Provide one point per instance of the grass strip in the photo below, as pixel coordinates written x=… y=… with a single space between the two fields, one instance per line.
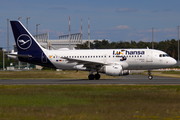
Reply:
x=171 y=72
x=87 y=102
x=175 y=74
x=47 y=75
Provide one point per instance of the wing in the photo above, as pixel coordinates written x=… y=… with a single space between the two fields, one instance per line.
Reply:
x=86 y=63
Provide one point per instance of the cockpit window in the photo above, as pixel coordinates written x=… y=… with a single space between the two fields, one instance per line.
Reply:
x=163 y=55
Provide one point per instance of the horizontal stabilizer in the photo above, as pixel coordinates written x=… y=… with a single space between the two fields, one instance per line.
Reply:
x=23 y=56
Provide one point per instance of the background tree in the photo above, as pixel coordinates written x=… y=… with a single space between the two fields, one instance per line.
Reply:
x=82 y=46
x=1 y=60
x=168 y=46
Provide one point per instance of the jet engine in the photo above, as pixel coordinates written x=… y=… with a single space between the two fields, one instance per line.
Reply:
x=114 y=70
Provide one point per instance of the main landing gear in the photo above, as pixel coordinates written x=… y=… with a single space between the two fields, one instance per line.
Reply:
x=150 y=76
x=92 y=77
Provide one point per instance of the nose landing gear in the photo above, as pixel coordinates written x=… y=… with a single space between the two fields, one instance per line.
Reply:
x=150 y=77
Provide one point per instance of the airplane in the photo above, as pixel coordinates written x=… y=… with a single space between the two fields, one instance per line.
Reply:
x=113 y=62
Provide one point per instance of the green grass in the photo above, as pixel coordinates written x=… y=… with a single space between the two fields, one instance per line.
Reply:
x=175 y=74
x=68 y=74
x=171 y=72
x=89 y=102
x=47 y=75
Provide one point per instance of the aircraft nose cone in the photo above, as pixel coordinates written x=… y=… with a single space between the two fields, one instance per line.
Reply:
x=173 y=62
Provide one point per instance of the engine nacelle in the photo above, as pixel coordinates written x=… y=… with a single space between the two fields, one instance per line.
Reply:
x=113 y=70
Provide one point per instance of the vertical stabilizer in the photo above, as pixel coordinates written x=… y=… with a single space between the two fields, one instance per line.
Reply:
x=24 y=40
x=29 y=50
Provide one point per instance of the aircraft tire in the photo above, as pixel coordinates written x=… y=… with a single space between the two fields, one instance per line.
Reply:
x=91 y=77
x=97 y=76
x=150 y=77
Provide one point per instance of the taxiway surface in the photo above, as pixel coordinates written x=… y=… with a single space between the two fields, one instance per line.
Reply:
x=130 y=79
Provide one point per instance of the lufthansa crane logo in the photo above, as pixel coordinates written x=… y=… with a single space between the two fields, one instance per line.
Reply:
x=24 y=41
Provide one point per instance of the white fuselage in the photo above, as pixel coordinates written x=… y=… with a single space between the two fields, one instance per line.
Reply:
x=136 y=59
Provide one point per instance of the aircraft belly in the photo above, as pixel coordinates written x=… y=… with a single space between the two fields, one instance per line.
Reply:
x=133 y=64
x=140 y=65
x=68 y=66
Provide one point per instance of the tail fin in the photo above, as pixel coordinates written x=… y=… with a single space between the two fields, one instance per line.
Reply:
x=23 y=39
x=29 y=50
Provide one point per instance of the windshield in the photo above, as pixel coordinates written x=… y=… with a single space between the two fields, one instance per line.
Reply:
x=163 y=55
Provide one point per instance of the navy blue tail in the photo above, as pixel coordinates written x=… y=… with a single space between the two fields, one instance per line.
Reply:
x=27 y=46
x=24 y=40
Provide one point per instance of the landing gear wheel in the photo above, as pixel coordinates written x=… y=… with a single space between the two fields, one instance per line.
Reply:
x=97 y=76
x=91 y=77
x=150 y=77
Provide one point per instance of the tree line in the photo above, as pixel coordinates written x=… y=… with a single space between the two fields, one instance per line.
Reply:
x=168 y=46
x=6 y=61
